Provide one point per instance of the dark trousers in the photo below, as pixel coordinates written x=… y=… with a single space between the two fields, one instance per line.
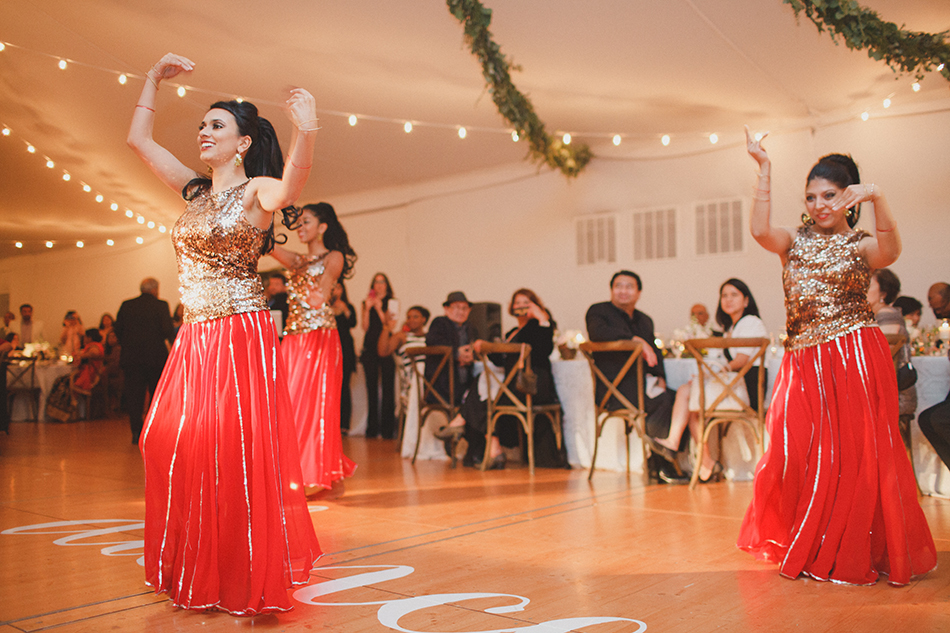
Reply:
x=139 y=379
x=935 y=425
x=346 y=402
x=380 y=415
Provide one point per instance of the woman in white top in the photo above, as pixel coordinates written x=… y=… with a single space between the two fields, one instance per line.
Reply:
x=738 y=316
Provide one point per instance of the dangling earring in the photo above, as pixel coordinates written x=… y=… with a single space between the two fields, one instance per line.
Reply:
x=238 y=159
x=849 y=213
x=210 y=171
x=807 y=220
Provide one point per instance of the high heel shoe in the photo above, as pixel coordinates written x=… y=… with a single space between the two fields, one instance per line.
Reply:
x=664 y=452
x=715 y=474
x=450 y=432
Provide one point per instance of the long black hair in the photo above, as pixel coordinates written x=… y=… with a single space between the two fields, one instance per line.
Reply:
x=334 y=238
x=263 y=158
x=723 y=319
x=841 y=171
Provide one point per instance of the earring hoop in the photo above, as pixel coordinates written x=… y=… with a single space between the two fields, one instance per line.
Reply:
x=807 y=220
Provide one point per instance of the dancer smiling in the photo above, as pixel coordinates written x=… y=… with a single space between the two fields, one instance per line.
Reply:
x=835 y=497
x=226 y=522
x=311 y=345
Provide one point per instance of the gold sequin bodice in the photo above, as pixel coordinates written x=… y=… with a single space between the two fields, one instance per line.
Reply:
x=302 y=317
x=826 y=283
x=217 y=251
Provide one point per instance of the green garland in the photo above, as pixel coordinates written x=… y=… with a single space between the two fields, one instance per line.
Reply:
x=904 y=51
x=512 y=104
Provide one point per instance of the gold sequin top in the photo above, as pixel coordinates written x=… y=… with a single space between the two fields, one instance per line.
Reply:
x=826 y=284
x=217 y=251
x=302 y=317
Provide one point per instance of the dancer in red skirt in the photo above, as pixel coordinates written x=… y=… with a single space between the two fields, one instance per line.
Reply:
x=226 y=521
x=311 y=346
x=835 y=497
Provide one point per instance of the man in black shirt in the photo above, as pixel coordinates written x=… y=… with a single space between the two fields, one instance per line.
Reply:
x=618 y=319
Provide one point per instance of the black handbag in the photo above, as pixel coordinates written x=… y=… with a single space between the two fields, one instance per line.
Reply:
x=906 y=376
x=526 y=381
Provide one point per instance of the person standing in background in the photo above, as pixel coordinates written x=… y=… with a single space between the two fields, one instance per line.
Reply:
x=345 y=321
x=379 y=370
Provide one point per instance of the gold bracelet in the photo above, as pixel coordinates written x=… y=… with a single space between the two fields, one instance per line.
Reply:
x=149 y=75
x=313 y=129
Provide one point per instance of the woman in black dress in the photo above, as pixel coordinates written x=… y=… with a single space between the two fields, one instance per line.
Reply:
x=380 y=413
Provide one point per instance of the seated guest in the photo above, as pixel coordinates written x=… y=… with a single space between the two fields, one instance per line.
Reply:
x=105 y=325
x=535 y=328
x=411 y=334
x=112 y=372
x=698 y=322
x=6 y=329
x=89 y=362
x=939 y=299
x=912 y=311
x=618 y=319
x=455 y=331
x=883 y=288
x=935 y=425
x=738 y=316
x=70 y=339
x=31 y=330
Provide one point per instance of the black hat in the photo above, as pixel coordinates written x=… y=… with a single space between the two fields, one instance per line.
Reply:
x=458 y=295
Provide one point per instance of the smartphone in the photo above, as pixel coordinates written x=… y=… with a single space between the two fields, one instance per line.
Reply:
x=393 y=308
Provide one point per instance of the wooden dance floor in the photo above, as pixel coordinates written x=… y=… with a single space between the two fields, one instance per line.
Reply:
x=429 y=549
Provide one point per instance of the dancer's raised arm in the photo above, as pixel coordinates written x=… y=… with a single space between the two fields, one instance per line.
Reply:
x=774 y=239
x=272 y=194
x=163 y=163
x=883 y=249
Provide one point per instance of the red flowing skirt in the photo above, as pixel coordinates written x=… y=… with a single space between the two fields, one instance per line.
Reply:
x=226 y=521
x=314 y=363
x=834 y=495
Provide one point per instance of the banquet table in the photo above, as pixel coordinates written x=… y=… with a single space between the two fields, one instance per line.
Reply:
x=47 y=371
x=933 y=384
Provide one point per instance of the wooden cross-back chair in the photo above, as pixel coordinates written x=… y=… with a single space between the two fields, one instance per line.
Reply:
x=633 y=415
x=896 y=342
x=425 y=388
x=727 y=406
x=21 y=380
x=505 y=399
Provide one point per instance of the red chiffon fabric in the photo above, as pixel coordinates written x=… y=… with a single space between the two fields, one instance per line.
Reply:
x=835 y=496
x=226 y=521
x=314 y=363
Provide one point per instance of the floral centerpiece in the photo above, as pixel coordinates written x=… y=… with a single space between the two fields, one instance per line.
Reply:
x=41 y=350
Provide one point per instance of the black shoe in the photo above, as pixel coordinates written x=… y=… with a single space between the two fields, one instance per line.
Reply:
x=469 y=461
x=662 y=451
x=668 y=475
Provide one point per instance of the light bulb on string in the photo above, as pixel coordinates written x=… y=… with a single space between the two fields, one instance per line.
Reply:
x=462 y=132
x=161 y=228
x=49 y=245
x=66 y=176
x=665 y=140
x=2 y=47
x=140 y=220
x=114 y=206
x=110 y=243
x=616 y=139
x=79 y=244
x=30 y=149
x=181 y=91
x=566 y=139
x=86 y=188
x=865 y=115
x=6 y=131
x=62 y=64
x=514 y=136
x=50 y=163
x=407 y=126
x=939 y=68
x=239 y=99
x=352 y=120
x=139 y=240
x=915 y=86
x=99 y=197
x=713 y=138
x=123 y=79
x=128 y=213
x=887 y=102
x=18 y=244
x=150 y=224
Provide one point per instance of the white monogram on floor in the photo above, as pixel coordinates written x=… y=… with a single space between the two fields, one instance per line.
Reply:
x=390 y=611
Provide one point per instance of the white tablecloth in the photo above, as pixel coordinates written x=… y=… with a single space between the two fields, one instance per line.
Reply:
x=933 y=384
x=46 y=374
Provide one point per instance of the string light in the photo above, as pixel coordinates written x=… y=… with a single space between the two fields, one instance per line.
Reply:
x=462 y=132
x=566 y=138
x=161 y=228
x=2 y=47
x=665 y=140
x=50 y=163
x=6 y=131
x=66 y=176
x=30 y=149
x=62 y=64
x=19 y=244
x=181 y=91
x=99 y=197
x=939 y=68
x=139 y=240
x=407 y=127
x=865 y=115
x=115 y=207
x=49 y=245
x=79 y=244
x=514 y=136
x=616 y=139
x=887 y=103
x=352 y=120
x=128 y=212
x=916 y=86
x=150 y=224
x=140 y=220
x=110 y=243
x=713 y=138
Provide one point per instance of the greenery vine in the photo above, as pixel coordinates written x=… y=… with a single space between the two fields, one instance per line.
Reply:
x=860 y=28
x=514 y=106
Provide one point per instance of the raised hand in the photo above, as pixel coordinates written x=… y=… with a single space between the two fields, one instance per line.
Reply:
x=171 y=65
x=754 y=147
x=854 y=195
x=302 y=110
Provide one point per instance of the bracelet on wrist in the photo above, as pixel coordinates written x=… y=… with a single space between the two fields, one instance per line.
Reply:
x=880 y=230
x=139 y=105
x=299 y=167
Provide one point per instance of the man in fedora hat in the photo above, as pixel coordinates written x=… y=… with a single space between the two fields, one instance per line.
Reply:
x=455 y=331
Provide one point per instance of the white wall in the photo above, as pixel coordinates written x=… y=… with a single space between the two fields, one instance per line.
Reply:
x=491 y=232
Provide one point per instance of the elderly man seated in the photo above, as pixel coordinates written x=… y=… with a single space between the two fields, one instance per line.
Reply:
x=618 y=319
x=455 y=331
x=939 y=299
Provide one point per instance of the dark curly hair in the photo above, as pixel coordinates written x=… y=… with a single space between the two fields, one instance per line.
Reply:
x=842 y=171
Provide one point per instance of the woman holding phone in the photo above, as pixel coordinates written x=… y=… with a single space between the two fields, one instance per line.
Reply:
x=381 y=412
